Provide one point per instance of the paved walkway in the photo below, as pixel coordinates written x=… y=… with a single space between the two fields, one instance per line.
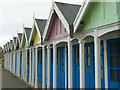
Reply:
x=10 y=81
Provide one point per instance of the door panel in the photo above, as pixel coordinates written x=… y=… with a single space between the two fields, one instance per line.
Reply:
x=20 y=62
x=61 y=67
x=113 y=51
x=51 y=67
x=76 y=67
x=15 y=62
x=39 y=66
x=31 y=64
x=89 y=66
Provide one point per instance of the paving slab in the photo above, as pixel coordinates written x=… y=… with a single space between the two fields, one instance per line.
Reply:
x=11 y=81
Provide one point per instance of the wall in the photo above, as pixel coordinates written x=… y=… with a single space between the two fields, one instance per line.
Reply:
x=101 y=13
x=36 y=38
x=57 y=30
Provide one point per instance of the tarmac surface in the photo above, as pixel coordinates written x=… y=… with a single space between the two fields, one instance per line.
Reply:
x=8 y=80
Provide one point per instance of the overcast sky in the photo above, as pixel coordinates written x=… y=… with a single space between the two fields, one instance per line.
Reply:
x=13 y=13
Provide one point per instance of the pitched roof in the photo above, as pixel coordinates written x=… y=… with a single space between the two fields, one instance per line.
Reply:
x=67 y=14
x=41 y=25
x=20 y=36
x=14 y=39
x=11 y=43
x=69 y=11
x=80 y=14
x=28 y=31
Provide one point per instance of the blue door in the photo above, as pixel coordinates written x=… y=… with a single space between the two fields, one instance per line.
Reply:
x=51 y=67
x=15 y=62
x=20 y=62
x=31 y=64
x=89 y=66
x=45 y=66
x=76 y=67
x=28 y=63
x=34 y=64
x=39 y=66
x=113 y=51
x=61 y=67
x=12 y=61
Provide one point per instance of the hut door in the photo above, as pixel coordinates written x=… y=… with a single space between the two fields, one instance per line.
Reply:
x=89 y=66
x=76 y=67
x=51 y=67
x=113 y=50
x=61 y=67
x=39 y=66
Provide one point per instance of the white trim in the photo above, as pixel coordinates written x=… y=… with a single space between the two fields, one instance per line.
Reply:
x=48 y=66
x=36 y=73
x=23 y=37
x=18 y=39
x=33 y=70
x=54 y=67
x=60 y=15
x=97 y=61
x=65 y=67
x=35 y=24
x=56 y=41
x=100 y=31
x=80 y=15
x=62 y=18
x=38 y=30
x=81 y=61
x=70 y=74
x=105 y=64
x=108 y=28
x=14 y=43
x=32 y=30
x=47 y=23
x=26 y=37
x=30 y=66
x=43 y=68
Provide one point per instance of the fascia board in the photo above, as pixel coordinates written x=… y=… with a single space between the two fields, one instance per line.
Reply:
x=18 y=39
x=38 y=30
x=31 y=32
x=26 y=37
x=22 y=38
x=80 y=15
x=60 y=15
x=62 y=18
x=47 y=23
x=14 y=44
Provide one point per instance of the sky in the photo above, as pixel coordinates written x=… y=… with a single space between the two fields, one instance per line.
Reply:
x=16 y=13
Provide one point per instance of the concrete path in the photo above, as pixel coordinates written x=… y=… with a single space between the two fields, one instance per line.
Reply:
x=10 y=81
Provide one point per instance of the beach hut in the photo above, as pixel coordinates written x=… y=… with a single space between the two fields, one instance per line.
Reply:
x=36 y=45
x=19 y=54
x=57 y=37
x=24 y=48
x=98 y=34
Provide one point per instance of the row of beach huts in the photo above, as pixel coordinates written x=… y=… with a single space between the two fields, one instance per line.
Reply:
x=78 y=46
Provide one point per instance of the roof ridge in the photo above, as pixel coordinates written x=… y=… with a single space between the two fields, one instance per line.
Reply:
x=39 y=19
x=66 y=3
